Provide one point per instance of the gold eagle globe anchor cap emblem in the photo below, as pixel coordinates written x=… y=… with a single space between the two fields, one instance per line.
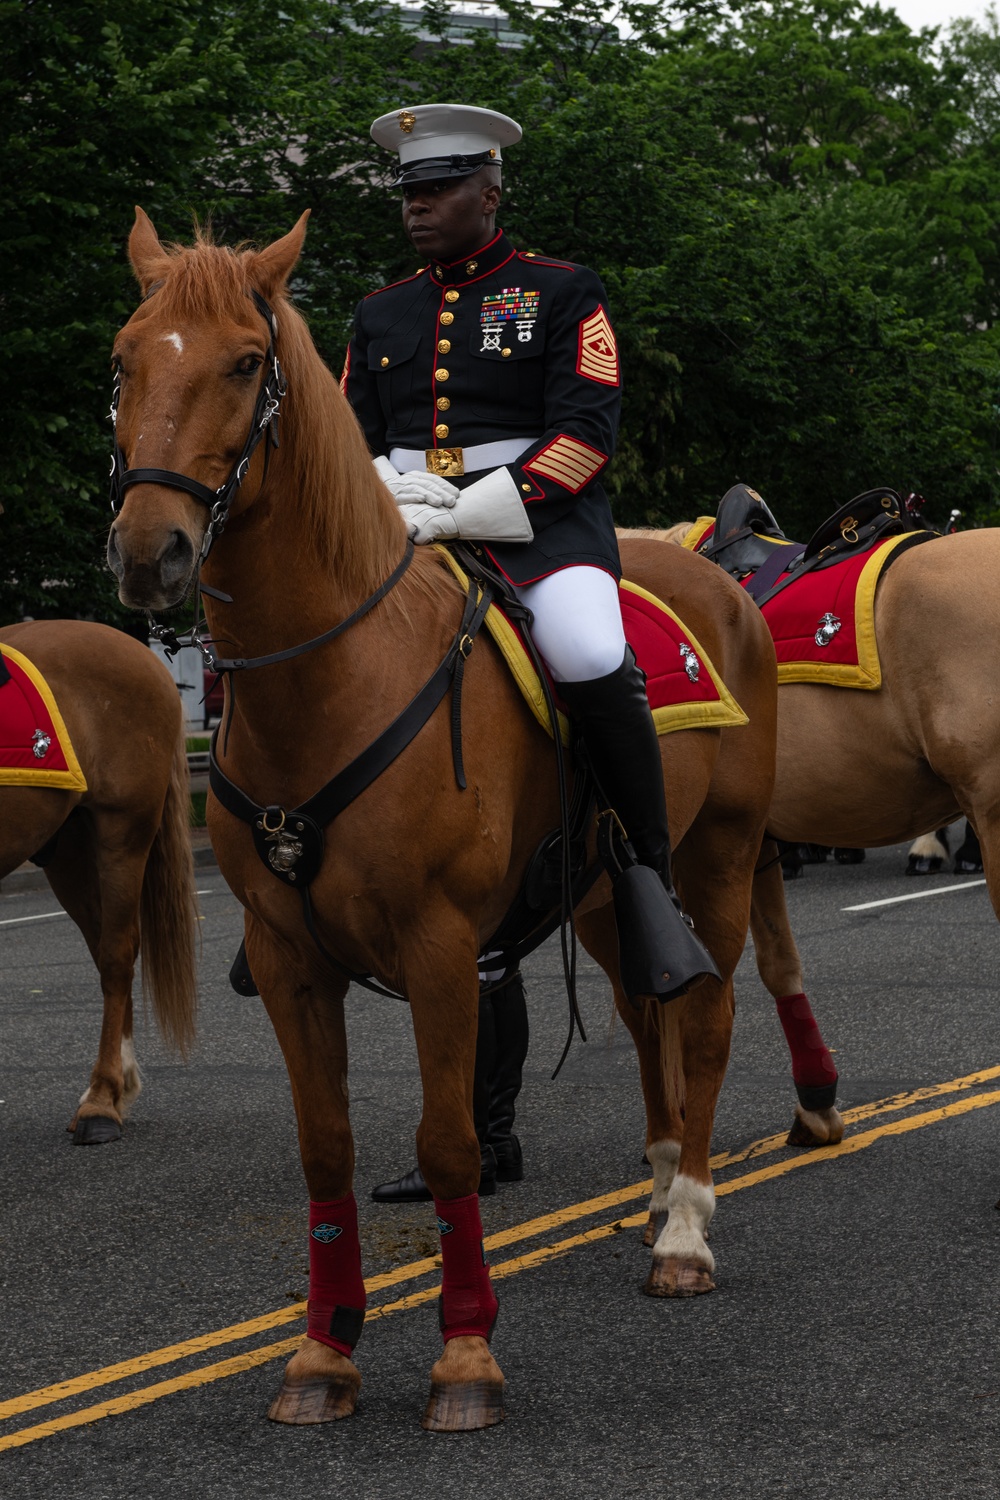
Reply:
x=435 y=141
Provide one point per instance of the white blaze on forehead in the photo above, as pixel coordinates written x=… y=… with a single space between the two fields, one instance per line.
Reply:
x=175 y=339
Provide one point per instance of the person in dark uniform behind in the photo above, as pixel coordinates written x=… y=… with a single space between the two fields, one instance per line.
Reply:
x=488 y=386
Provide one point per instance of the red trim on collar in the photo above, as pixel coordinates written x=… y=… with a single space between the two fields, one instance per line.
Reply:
x=471 y=280
x=446 y=265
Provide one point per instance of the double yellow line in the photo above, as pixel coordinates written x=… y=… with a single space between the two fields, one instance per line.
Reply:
x=50 y=1395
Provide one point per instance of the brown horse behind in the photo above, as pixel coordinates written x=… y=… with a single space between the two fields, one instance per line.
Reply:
x=121 y=864
x=416 y=874
x=863 y=769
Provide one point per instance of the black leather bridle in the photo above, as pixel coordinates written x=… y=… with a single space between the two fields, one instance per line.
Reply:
x=263 y=426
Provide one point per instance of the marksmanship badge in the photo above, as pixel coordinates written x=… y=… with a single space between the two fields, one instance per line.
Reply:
x=498 y=309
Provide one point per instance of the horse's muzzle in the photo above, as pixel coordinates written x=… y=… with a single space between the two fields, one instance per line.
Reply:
x=157 y=582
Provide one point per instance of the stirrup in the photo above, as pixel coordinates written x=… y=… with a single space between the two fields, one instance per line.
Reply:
x=658 y=951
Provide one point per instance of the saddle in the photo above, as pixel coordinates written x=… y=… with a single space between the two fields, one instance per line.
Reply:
x=748 y=543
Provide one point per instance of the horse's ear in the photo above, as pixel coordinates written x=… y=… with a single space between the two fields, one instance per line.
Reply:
x=271 y=268
x=145 y=251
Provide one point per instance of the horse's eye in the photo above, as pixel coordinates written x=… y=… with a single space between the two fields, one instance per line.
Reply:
x=249 y=364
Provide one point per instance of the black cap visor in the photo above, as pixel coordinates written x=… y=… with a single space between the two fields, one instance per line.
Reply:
x=441 y=167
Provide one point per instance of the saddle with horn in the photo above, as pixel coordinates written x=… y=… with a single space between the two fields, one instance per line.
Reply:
x=818 y=597
x=747 y=542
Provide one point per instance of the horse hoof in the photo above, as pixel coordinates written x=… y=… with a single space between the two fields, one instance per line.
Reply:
x=304 y=1403
x=463 y=1408
x=654 y=1227
x=924 y=864
x=677 y=1278
x=96 y=1130
x=813 y=1128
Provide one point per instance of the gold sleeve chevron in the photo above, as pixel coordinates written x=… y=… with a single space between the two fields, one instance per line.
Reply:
x=597 y=357
x=724 y=714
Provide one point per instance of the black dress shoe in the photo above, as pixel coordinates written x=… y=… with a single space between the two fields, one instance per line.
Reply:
x=410 y=1188
x=510 y=1163
x=413 y=1189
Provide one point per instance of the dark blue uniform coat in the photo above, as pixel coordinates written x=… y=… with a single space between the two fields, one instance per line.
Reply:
x=502 y=345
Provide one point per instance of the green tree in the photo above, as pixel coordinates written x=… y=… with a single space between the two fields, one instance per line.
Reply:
x=103 y=105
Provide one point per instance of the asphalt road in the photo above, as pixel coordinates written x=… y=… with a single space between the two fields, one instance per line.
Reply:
x=850 y=1350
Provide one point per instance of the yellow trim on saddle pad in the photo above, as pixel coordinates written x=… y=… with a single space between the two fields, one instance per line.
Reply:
x=724 y=714
x=696 y=535
x=72 y=779
x=867 y=673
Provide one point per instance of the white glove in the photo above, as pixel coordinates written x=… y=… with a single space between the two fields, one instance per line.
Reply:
x=491 y=510
x=416 y=487
x=428 y=523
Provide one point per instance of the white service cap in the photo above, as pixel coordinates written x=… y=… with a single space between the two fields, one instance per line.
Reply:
x=444 y=140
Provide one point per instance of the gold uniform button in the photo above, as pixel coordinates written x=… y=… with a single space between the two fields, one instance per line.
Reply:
x=447 y=317
x=444 y=346
x=451 y=296
x=441 y=374
x=526 y=488
x=385 y=360
x=443 y=403
x=473 y=265
x=505 y=353
x=441 y=430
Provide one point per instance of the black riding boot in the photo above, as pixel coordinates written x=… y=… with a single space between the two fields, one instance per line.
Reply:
x=411 y=1187
x=510 y=1025
x=659 y=953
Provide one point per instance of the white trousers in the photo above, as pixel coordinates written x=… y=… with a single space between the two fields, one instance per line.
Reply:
x=578 y=623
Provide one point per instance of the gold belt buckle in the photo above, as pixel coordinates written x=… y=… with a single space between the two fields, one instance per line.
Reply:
x=448 y=462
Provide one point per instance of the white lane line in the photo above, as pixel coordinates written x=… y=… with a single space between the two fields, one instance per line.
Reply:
x=47 y=916
x=939 y=890
x=42 y=917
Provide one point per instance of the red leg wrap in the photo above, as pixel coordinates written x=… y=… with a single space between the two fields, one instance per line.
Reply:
x=812 y=1065
x=468 y=1305
x=336 y=1286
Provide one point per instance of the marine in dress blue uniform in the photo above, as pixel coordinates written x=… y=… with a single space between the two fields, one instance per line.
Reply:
x=488 y=386
x=509 y=357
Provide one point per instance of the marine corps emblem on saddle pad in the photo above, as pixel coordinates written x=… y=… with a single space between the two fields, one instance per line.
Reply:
x=35 y=747
x=823 y=624
x=684 y=689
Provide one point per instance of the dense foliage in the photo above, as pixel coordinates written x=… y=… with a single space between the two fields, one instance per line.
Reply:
x=793 y=205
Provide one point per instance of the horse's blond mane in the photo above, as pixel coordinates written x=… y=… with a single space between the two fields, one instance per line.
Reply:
x=346 y=511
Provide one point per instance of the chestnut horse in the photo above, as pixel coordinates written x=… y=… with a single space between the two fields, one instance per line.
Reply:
x=416 y=874
x=119 y=860
x=860 y=769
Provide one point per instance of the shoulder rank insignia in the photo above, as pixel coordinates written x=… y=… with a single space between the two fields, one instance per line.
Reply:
x=598 y=353
x=500 y=307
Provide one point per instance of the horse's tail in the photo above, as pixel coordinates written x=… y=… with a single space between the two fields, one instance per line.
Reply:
x=168 y=915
